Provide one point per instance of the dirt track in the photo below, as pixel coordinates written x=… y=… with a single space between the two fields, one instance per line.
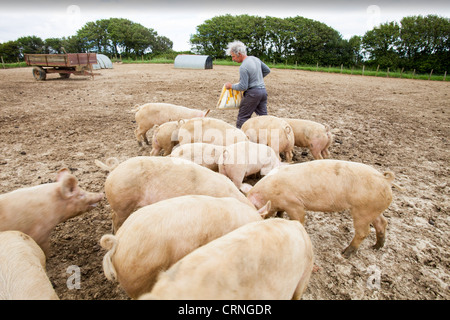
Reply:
x=395 y=124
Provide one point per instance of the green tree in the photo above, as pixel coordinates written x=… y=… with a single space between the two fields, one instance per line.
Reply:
x=10 y=51
x=381 y=44
x=161 y=44
x=73 y=44
x=354 y=44
x=94 y=36
x=314 y=42
x=30 y=44
x=291 y=39
x=425 y=43
x=117 y=35
x=214 y=34
x=53 y=45
x=279 y=34
x=142 y=39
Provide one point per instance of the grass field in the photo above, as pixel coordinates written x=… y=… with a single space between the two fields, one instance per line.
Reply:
x=331 y=69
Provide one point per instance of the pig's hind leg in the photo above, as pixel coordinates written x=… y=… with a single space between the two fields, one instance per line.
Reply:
x=362 y=229
x=316 y=153
x=380 y=224
x=141 y=135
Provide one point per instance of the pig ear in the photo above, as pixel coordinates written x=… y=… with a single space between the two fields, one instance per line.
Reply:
x=68 y=186
x=61 y=173
x=264 y=211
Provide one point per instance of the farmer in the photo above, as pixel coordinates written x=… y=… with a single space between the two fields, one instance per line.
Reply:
x=251 y=72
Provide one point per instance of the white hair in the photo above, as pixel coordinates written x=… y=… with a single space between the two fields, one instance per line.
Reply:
x=236 y=47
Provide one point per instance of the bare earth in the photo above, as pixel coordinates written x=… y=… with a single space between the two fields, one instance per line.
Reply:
x=396 y=124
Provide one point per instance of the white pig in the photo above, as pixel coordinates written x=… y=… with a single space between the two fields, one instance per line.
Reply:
x=165 y=137
x=204 y=154
x=312 y=135
x=329 y=186
x=37 y=210
x=263 y=260
x=158 y=235
x=151 y=114
x=245 y=158
x=271 y=131
x=141 y=181
x=209 y=130
x=22 y=269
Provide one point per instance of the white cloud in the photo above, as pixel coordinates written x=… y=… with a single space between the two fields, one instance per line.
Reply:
x=177 y=19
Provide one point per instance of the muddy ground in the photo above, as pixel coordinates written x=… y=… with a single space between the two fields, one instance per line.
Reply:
x=395 y=124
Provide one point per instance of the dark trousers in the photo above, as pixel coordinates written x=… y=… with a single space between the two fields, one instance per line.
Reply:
x=254 y=100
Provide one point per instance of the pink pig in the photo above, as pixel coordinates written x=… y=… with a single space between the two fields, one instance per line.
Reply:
x=264 y=260
x=312 y=135
x=245 y=158
x=151 y=114
x=165 y=137
x=329 y=186
x=141 y=181
x=156 y=236
x=22 y=269
x=37 y=210
x=271 y=131
x=209 y=130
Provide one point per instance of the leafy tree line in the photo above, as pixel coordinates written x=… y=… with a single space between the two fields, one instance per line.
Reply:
x=418 y=42
x=273 y=39
x=107 y=36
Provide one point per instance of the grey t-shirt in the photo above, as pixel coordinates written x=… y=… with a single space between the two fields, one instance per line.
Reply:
x=251 y=72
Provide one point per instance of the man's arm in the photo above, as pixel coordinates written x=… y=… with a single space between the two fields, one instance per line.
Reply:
x=265 y=69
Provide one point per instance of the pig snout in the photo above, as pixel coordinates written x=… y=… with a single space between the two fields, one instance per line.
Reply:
x=94 y=198
x=81 y=201
x=89 y=200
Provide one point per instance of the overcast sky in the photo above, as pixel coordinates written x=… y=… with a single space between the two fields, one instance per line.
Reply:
x=178 y=19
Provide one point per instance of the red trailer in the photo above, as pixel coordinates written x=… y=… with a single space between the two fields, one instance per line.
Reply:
x=79 y=64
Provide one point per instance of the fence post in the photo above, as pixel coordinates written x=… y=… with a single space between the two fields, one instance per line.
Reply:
x=3 y=64
x=342 y=67
x=377 y=71
x=387 y=76
x=317 y=66
x=414 y=73
x=429 y=77
x=445 y=74
x=363 y=69
x=401 y=73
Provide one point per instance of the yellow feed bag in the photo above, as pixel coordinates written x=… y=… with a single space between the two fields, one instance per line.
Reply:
x=229 y=99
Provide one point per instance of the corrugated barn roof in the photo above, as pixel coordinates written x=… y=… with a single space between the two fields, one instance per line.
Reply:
x=190 y=61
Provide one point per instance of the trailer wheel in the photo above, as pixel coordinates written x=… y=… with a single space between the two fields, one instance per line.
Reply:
x=64 y=75
x=39 y=73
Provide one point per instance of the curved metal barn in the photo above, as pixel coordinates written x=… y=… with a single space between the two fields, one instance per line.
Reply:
x=189 y=61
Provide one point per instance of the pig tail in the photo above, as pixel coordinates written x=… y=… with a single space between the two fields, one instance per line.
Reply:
x=109 y=242
x=390 y=176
